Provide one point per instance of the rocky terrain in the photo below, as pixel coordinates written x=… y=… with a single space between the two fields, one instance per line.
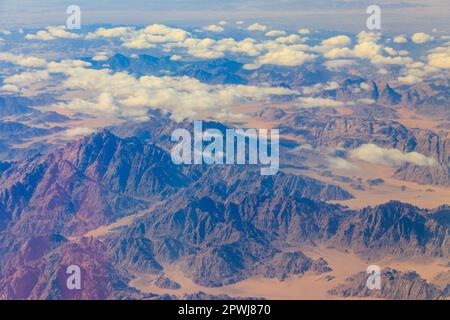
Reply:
x=221 y=224
x=395 y=285
x=101 y=192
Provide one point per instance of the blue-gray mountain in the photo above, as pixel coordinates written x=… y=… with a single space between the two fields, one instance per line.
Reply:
x=222 y=224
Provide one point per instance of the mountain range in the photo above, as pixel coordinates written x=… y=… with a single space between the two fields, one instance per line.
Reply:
x=220 y=224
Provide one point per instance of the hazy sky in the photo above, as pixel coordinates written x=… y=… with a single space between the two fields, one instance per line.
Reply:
x=342 y=15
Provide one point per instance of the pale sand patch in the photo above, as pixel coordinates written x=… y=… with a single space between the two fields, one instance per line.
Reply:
x=61 y=137
x=427 y=267
x=411 y=119
x=308 y=286
x=421 y=195
x=105 y=229
x=249 y=109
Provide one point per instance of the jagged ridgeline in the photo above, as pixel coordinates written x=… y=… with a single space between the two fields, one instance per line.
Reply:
x=222 y=224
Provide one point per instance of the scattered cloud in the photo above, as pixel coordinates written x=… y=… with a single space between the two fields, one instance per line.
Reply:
x=366 y=101
x=10 y=88
x=155 y=34
x=26 y=79
x=440 y=58
x=338 y=41
x=214 y=28
x=310 y=102
x=291 y=50
x=409 y=79
x=290 y=39
x=339 y=64
x=367 y=48
x=421 y=37
x=257 y=27
x=121 y=95
x=319 y=87
x=390 y=51
x=304 y=31
x=275 y=33
x=115 y=32
x=79 y=131
x=377 y=155
x=22 y=60
x=175 y=57
x=52 y=33
x=304 y=147
x=400 y=39
x=340 y=163
x=283 y=56
x=101 y=56
x=281 y=49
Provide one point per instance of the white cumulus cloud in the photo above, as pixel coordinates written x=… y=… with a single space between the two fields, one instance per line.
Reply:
x=275 y=33
x=79 y=131
x=304 y=31
x=256 y=27
x=309 y=102
x=52 y=33
x=421 y=37
x=22 y=60
x=214 y=28
x=391 y=157
x=400 y=39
